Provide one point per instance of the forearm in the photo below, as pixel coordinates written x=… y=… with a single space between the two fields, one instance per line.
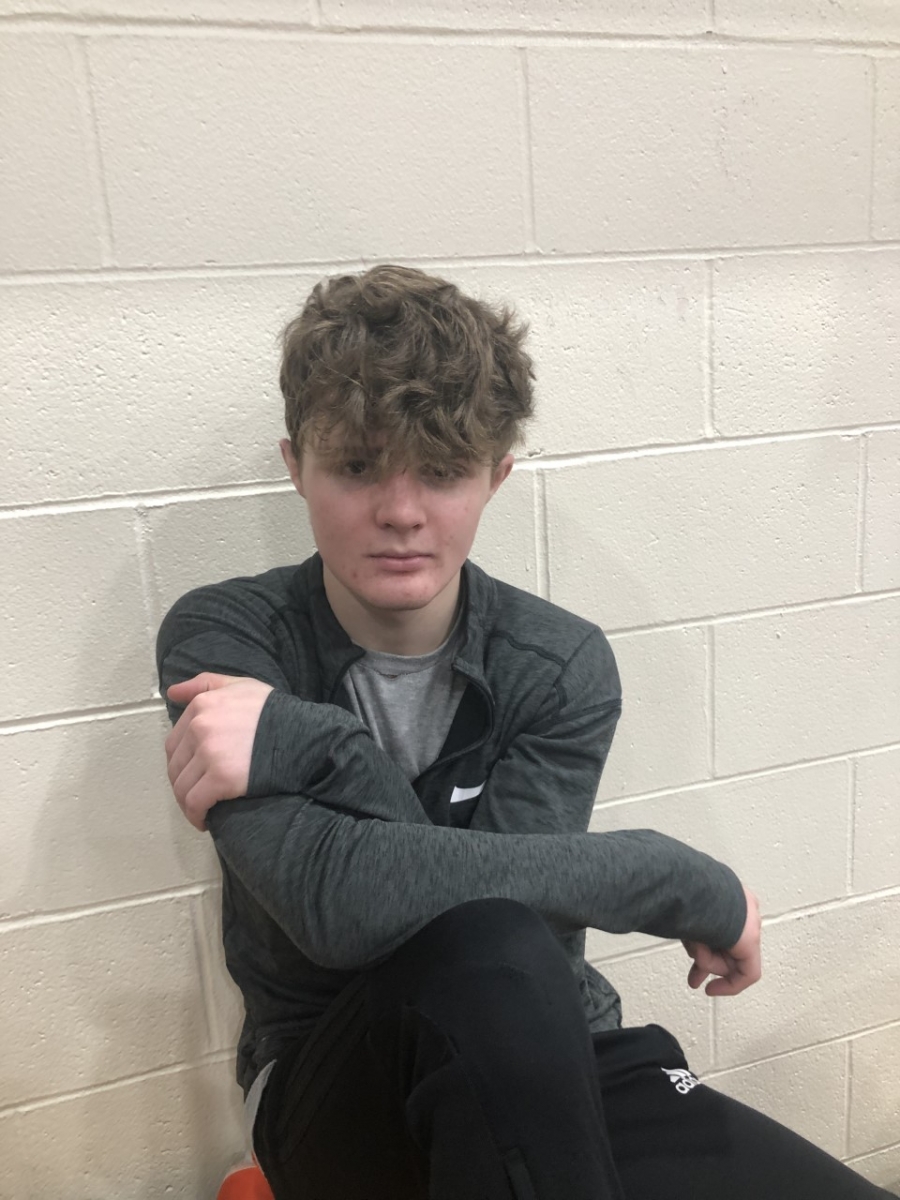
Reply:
x=327 y=754
x=349 y=891
x=655 y=885
x=348 y=888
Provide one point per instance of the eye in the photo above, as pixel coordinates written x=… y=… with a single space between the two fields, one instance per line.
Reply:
x=354 y=468
x=443 y=472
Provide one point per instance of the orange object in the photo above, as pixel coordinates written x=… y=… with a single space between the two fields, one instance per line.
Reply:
x=245 y=1182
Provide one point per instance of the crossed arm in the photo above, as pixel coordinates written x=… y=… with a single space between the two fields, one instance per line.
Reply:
x=210 y=752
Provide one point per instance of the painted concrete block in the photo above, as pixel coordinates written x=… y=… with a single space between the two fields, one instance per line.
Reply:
x=284 y=12
x=803 y=1091
x=786 y=835
x=88 y=817
x=506 y=542
x=538 y=16
x=874 y=1094
x=766 y=146
x=805 y=341
x=661 y=538
x=174 y=1134
x=822 y=979
x=144 y=385
x=202 y=541
x=881 y=553
x=860 y=20
x=618 y=349
x=876 y=837
x=282 y=150
x=886 y=180
x=90 y=999
x=662 y=737
x=882 y=1167
x=76 y=629
x=806 y=684
x=50 y=206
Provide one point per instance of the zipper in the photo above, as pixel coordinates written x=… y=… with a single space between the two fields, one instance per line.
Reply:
x=487 y=699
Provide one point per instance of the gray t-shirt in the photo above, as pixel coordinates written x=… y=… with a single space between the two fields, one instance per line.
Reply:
x=408 y=701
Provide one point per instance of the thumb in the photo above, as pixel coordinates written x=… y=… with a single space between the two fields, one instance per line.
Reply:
x=206 y=681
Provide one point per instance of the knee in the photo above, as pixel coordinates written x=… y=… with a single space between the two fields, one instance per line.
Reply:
x=489 y=931
x=493 y=916
x=483 y=965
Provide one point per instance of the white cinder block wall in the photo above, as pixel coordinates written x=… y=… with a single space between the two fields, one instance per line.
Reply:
x=697 y=205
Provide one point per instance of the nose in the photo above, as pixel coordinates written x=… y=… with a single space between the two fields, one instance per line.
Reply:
x=399 y=502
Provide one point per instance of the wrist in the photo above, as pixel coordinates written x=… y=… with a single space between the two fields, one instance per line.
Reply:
x=733 y=914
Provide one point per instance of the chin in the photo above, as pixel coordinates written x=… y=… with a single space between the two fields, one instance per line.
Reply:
x=399 y=595
x=400 y=603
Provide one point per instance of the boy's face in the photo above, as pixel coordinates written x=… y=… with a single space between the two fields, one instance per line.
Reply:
x=397 y=543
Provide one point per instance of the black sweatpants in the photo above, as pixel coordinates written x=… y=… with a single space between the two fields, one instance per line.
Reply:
x=462 y=1068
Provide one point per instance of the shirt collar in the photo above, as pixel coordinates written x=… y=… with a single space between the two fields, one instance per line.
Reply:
x=336 y=652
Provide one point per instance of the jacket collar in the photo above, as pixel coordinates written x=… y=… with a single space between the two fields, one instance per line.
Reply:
x=336 y=652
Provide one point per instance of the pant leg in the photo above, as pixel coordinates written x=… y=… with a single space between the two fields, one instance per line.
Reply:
x=672 y=1137
x=493 y=1059
x=327 y=1126
x=462 y=1069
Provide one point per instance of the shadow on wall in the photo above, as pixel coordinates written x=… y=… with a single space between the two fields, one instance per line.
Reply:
x=90 y=816
x=103 y=995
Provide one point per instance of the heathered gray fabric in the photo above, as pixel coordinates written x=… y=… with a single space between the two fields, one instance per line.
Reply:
x=335 y=859
x=407 y=701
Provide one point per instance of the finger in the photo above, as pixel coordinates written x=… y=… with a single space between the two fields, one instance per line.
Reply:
x=179 y=758
x=727 y=986
x=743 y=974
x=709 y=961
x=206 y=681
x=178 y=730
x=697 y=976
x=203 y=796
x=189 y=777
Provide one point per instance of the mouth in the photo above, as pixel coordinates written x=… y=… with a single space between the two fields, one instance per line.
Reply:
x=404 y=561
x=401 y=555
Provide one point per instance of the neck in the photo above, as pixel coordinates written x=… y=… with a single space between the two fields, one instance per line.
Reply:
x=405 y=631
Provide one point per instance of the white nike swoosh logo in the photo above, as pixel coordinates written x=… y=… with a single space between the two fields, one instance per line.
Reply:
x=466 y=793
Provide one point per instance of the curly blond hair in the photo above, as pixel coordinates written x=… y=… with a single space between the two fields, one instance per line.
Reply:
x=405 y=365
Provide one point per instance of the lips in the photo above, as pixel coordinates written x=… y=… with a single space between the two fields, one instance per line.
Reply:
x=401 y=562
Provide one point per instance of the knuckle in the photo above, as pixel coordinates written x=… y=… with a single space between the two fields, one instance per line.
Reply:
x=201 y=726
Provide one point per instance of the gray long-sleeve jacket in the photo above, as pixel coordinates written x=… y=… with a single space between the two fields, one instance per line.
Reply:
x=334 y=858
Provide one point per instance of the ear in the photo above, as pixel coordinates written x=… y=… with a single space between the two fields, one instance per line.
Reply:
x=501 y=472
x=290 y=461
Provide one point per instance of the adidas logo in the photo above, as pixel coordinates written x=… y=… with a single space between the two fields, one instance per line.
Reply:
x=682 y=1080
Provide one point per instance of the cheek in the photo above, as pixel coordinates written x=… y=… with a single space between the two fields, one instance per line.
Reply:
x=462 y=523
x=330 y=528
x=340 y=531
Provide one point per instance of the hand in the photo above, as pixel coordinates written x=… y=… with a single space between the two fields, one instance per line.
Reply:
x=738 y=967
x=209 y=749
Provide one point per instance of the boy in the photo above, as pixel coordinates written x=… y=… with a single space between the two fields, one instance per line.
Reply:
x=410 y=752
